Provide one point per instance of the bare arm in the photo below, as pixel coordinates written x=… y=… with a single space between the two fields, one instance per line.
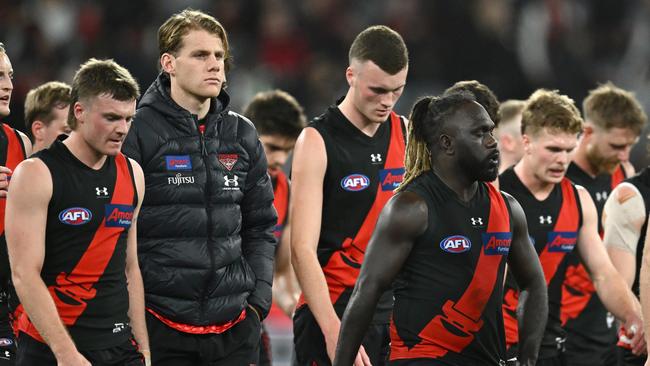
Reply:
x=610 y=286
x=524 y=264
x=623 y=217
x=25 y=233
x=403 y=218
x=286 y=290
x=308 y=172
x=133 y=276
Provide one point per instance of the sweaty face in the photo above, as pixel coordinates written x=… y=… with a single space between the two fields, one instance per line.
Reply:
x=104 y=122
x=56 y=127
x=548 y=154
x=474 y=141
x=277 y=148
x=6 y=85
x=375 y=92
x=197 y=71
x=608 y=148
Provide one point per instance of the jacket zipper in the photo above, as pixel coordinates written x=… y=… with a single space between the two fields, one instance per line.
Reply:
x=208 y=185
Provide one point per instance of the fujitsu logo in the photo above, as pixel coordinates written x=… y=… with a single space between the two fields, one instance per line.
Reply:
x=179 y=179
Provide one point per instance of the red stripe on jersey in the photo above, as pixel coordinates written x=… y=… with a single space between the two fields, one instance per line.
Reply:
x=567 y=221
x=74 y=289
x=281 y=201
x=342 y=269
x=463 y=315
x=618 y=176
x=14 y=155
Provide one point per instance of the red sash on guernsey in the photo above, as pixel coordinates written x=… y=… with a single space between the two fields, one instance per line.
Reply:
x=74 y=289
x=578 y=278
x=15 y=154
x=342 y=269
x=567 y=221
x=464 y=314
x=281 y=202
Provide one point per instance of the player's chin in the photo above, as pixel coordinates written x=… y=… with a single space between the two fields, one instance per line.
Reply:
x=489 y=174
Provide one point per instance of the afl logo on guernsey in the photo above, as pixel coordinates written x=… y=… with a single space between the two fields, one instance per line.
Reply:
x=75 y=216
x=355 y=182
x=456 y=244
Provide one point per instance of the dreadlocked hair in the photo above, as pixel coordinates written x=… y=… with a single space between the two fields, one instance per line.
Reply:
x=417 y=159
x=425 y=126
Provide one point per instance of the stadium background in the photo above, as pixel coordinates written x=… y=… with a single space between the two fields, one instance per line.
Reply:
x=513 y=46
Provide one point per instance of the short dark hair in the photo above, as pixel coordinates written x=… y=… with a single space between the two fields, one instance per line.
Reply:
x=381 y=45
x=484 y=96
x=41 y=100
x=99 y=77
x=177 y=26
x=276 y=112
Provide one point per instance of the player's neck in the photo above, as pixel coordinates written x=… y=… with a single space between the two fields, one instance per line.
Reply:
x=191 y=103
x=84 y=152
x=580 y=159
x=538 y=188
x=507 y=160
x=457 y=180
x=357 y=118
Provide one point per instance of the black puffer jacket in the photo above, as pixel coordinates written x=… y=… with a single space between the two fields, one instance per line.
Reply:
x=205 y=240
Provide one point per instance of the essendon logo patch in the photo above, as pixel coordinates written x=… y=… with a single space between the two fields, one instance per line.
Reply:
x=496 y=243
x=561 y=241
x=389 y=179
x=75 y=216
x=228 y=160
x=355 y=182
x=178 y=163
x=118 y=216
x=456 y=244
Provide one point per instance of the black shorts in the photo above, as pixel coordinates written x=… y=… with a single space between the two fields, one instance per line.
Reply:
x=627 y=358
x=309 y=342
x=582 y=352
x=238 y=345
x=34 y=353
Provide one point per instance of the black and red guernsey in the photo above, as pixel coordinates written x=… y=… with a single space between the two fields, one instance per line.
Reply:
x=360 y=177
x=553 y=225
x=88 y=219
x=12 y=152
x=280 y=202
x=587 y=322
x=449 y=292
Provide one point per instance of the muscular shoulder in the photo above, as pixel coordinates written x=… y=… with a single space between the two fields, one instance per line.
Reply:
x=408 y=211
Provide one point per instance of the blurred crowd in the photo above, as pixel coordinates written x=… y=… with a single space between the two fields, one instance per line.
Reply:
x=513 y=46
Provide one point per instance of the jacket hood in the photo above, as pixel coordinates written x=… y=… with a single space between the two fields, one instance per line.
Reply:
x=158 y=97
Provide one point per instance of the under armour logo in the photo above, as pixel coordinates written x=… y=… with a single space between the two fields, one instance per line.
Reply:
x=546 y=220
x=601 y=196
x=477 y=221
x=231 y=182
x=376 y=158
x=103 y=191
